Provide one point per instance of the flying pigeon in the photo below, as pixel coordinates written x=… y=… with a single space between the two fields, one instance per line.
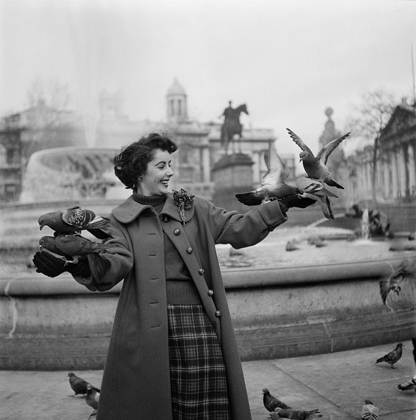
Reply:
x=270 y=402
x=92 y=398
x=410 y=384
x=272 y=185
x=74 y=220
x=282 y=413
x=316 y=167
x=314 y=189
x=79 y=385
x=393 y=357
x=78 y=245
x=369 y=411
x=404 y=269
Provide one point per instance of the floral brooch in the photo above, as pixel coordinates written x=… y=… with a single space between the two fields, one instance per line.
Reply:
x=184 y=201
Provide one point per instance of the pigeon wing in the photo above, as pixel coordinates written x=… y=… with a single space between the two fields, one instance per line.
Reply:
x=299 y=142
x=330 y=147
x=276 y=169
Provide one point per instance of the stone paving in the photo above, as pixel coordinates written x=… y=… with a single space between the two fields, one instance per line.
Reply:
x=336 y=383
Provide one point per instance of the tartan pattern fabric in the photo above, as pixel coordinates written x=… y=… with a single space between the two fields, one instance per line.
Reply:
x=198 y=378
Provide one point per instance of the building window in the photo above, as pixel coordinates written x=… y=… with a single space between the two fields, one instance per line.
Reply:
x=179 y=107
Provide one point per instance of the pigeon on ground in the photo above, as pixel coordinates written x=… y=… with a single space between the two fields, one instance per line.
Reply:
x=92 y=398
x=404 y=270
x=272 y=185
x=78 y=245
x=316 y=167
x=314 y=189
x=79 y=385
x=270 y=402
x=291 y=246
x=281 y=413
x=74 y=220
x=412 y=236
x=393 y=357
x=320 y=243
x=408 y=385
x=369 y=411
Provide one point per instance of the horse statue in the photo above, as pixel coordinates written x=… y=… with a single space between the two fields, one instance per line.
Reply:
x=232 y=125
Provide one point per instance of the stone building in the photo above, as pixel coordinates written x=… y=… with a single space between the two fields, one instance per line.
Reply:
x=396 y=169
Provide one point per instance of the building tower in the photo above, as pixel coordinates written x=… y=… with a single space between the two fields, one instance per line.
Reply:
x=176 y=105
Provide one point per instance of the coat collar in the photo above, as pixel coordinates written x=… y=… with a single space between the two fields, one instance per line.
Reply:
x=130 y=210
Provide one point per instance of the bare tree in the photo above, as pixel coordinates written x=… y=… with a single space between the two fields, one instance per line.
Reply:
x=369 y=120
x=47 y=115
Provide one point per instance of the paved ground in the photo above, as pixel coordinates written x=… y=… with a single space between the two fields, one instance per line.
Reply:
x=335 y=383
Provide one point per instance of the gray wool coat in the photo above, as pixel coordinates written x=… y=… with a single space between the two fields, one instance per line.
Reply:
x=136 y=380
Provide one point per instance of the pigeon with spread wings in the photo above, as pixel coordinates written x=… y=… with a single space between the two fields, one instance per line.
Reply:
x=315 y=190
x=404 y=270
x=273 y=184
x=315 y=166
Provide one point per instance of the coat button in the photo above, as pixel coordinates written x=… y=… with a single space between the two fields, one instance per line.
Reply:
x=210 y=293
x=217 y=314
x=176 y=232
x=189 y=250
x=201 y=271
x=165 y=219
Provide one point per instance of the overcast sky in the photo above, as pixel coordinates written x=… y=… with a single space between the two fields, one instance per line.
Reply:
x=287 y=60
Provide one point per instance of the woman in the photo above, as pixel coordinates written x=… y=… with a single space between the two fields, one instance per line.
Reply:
x=172 y=353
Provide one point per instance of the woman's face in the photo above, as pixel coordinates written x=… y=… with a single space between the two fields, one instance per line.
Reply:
x=156 y=179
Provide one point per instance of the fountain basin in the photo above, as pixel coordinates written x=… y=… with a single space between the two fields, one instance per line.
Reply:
x=48 y=324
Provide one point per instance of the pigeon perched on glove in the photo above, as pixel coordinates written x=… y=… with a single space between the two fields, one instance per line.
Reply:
x=315 y=166
x=74 y=220
x=52 y=266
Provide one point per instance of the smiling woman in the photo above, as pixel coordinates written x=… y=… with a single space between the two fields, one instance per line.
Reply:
x=173 y=342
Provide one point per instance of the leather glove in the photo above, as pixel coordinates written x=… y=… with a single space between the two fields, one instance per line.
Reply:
x=52 y=266
x=295 y=201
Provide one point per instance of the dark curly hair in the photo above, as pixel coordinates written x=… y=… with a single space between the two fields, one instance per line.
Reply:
x=133 y=159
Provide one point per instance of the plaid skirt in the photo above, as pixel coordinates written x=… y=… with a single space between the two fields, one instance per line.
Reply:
x=198 y=377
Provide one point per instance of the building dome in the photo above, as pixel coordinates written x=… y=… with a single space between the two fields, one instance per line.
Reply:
x=176 y=89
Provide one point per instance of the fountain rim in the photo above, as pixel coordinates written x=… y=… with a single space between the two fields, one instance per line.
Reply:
x=26 y=285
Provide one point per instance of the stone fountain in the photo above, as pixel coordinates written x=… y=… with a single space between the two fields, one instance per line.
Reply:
x=290 y=306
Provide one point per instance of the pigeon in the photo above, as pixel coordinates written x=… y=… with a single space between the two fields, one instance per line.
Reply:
x=314 y=189
x=408 y=385
x=412 y=236
x=270 y=402
x=74 y=220
x=320 y=243
x=285 y=413
x=273 y=183
x=396 y=277
x=369 y=411
x=48 y=243
x=316 y=167
x=291 y=246
x=393 y=357
x=92 y=398
x=79 y=385
x=78 y=245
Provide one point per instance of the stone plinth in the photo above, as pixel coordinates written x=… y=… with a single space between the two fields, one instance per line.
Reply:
x=55 y=324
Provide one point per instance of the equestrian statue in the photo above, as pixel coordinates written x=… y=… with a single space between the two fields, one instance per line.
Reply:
x=232 y=125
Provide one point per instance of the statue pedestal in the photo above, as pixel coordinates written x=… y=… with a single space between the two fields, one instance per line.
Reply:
x=232 y=174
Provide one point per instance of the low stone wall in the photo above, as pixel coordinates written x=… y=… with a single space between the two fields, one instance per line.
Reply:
x=56 y=324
